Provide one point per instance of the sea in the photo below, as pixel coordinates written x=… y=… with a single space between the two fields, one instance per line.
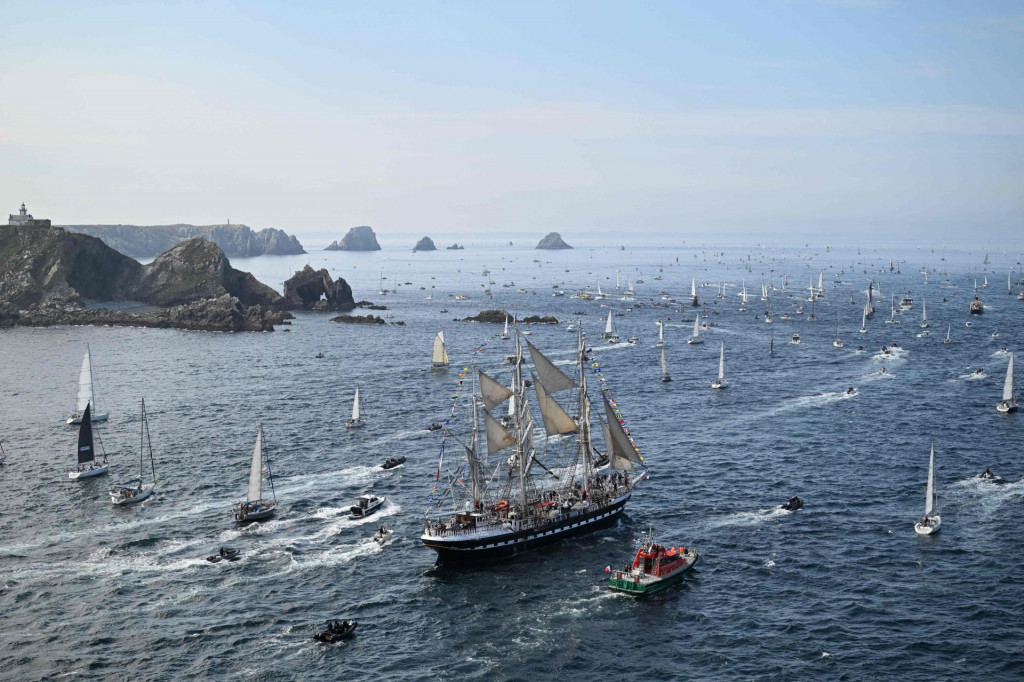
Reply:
x=842 y=589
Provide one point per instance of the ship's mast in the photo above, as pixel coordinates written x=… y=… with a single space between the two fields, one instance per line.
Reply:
x=518 y=421
x=474 y=465
x=584 y=408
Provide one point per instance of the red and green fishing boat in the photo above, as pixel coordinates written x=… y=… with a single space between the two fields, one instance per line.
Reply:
x=654 y=568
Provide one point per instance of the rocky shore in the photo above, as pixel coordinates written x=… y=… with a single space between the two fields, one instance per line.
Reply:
x=236 y=241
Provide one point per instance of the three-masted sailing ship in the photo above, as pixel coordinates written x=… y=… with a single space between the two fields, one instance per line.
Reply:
x=519 y=489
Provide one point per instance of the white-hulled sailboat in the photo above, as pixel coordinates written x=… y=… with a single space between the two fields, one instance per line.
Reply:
x=695 y=339
x=661 y=334
x=439 y=354
x=693 y=291
x=864 y=321
x=720 y=381
x=254 y=507
x=948 y=328
x=86 y=394
x=1010 y=402
x=924 y=313
x=930 y=521
x=609 y=330
x=135 y=490
x=838 y=343
x=664 y=367
x=356 y=421
x=504 y=334
x=87 y=464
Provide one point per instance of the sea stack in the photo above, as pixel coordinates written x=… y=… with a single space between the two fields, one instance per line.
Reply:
x=425 y=244
x=553 y=241
x=359 y=238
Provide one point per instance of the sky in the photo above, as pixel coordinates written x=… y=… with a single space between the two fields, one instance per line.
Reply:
x=871 y=118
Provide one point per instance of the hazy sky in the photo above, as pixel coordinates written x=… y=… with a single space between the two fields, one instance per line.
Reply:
x=440 y=117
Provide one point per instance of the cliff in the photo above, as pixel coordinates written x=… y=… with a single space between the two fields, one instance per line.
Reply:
x=425 y=244
x=553 y=240
x=237 y=241
x=46 y=274
x=359 y=238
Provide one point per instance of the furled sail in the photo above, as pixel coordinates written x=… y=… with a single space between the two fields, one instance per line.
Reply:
x=554 y=379
x=623 y=455
x=498 y=438
x=256 y=471
x=1008 y=384
x=85 y=451
x=85 y=382
x=556 y=420
x=492 y=392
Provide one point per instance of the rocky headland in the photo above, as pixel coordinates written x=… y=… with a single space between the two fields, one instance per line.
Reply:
x=359 y=238
x=49 y=276
x=236 y=241
x=553 y=240
x=425 y=244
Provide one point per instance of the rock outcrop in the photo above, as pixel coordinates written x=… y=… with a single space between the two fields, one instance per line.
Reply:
x=356 y=319
x=359 y=238
x=47 y=276
x=316 y=290
x=553 y=240
x=425 y=244
x=498 y=316
x=455 y=247
x=237 y=241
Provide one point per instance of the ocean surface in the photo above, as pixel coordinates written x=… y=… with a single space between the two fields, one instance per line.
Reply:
x=840 y=590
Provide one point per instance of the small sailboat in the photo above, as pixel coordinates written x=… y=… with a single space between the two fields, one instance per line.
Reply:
x=947 y=341
x=693 y=291
x=720 y=381
x=609 y=330
x=664 y=368
x=356 y=421
x=838 y=343
x=87 y=464
x=930 y=521
x=439 y=355
x=86 y=393
x=504 y=333
x=254 y=507
x=135 y=490
x=661 y=334
x=924 y=314
x=892 y=311
x=1010 y=402
x=695 y=339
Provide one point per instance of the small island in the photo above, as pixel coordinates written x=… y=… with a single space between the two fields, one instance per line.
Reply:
x=316 y=290
x=553 y=240
x=455 y=247
x=425 y=244
x=498 y=316
x=359 y=238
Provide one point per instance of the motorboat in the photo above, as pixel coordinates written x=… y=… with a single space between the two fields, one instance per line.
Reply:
x=654 y=568
x=336 y=631
x=224 y=554
x=392 y=462
x=366 y=505
x=792 y=504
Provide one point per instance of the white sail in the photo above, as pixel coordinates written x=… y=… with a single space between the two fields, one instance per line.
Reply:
x=693 y=287
x=85 y=382
x=620 y=449
x=355 y=406
x=930 y=492
x=664 y=363
x=599 y=290
x=696 y=326
x=556 y=420
x=924 y=310
x=948 y=329
x=661 y=333
x=256 y=471
x=721 y=363
x=492 y=392
x=504 y=334
x=609 y=329
x=439 y=356
x=498 y=438
x=554 y=379
x=1008 y=384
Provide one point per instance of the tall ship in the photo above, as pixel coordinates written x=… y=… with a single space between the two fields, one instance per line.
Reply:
x=518 y=489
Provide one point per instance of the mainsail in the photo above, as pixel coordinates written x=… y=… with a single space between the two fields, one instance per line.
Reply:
x=1008 y=384
x=609 y=329
x=85 y=382
x=439 y=356
x=620 y=448
x=930 y=492
x=554 y=379
x=664 y=363
x=498 y=438
x=492 y=392
x=85 y=449
x=355 y=406
x=256 y=471
x=696 y=326
x=556 y=420
x=721 y=363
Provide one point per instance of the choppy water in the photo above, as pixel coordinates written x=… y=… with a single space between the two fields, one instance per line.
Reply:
x=840 y=590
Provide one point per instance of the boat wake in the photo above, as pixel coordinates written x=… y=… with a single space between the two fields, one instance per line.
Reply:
x=973 y=376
